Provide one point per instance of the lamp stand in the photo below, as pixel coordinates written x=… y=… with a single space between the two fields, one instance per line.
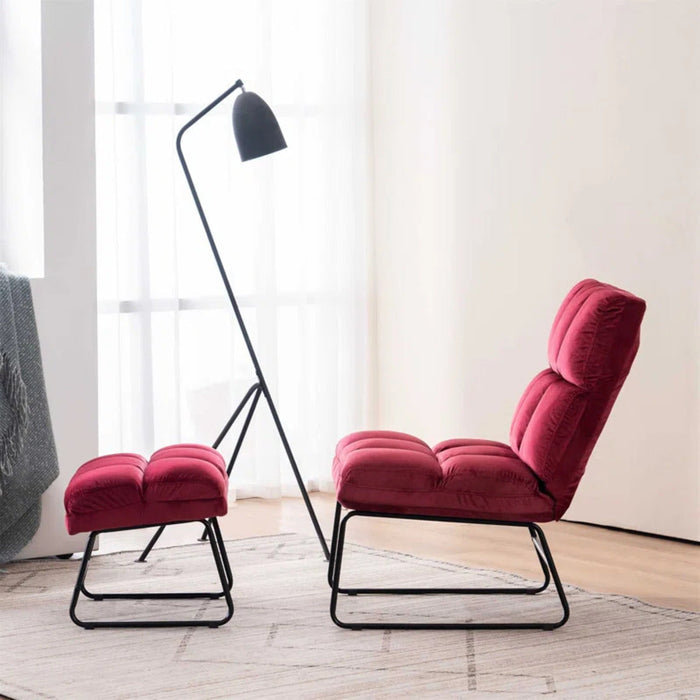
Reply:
x=260 y=387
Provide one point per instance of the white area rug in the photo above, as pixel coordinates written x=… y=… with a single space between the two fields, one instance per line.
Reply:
x=282 y=643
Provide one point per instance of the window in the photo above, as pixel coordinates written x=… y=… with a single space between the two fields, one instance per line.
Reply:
x=21 y=169
x=291 y=228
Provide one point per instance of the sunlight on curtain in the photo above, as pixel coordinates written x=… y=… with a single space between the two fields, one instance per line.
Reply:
x=21 y=166
x=291 y=229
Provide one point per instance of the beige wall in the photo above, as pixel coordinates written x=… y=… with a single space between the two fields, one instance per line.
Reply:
x=519 y=147
x=65 y=299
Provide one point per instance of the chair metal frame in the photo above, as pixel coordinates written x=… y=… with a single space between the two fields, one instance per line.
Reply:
x=223 y=569
x=539 y=542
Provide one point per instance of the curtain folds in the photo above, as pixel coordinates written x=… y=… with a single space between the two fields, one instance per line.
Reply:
x=292 y=229
x=21 y=154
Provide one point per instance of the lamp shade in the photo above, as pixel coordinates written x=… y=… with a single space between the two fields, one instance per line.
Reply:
x=255 y=127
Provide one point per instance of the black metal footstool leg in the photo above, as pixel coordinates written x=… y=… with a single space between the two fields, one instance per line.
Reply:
x=223 y=569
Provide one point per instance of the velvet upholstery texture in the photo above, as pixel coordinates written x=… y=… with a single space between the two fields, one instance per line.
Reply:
x=179 y=483
x=594 y=339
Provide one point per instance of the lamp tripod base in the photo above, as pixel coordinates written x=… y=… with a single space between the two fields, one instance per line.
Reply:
x=251 y=399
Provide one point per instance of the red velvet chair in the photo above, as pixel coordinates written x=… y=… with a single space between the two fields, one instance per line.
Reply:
x=385 y=474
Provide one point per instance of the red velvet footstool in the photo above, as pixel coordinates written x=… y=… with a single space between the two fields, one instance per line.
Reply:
x=180 y=483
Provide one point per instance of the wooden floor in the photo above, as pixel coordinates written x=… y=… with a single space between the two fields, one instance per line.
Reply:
x=658 y=571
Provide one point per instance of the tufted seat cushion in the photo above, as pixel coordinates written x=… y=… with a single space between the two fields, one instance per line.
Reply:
x=390 y=472
x=180 y=482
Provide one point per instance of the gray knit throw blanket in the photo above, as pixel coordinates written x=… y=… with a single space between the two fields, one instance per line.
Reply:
x=28 y=462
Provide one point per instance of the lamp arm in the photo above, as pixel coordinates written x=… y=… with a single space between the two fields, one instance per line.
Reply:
x=207 y=229
x=207 y=109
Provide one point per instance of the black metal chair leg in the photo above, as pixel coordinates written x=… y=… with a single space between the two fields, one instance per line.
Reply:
x=81 y=579
x=222 y=550
x=334 y=544
x=225 y=577
x=338 y=543
x=555 y=575
x=222 y=567
x=541 y=558
x=83 y=589
x=541 y=547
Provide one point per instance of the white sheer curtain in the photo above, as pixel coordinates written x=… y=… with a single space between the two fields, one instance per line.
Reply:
x=21 y=167
x=291 y=228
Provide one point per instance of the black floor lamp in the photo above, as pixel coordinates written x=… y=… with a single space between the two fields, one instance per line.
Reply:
x=257 y=134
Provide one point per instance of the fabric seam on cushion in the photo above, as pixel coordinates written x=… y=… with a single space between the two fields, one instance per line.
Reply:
x=590 y=349
x=79 y=471
x=111 y=456
x=162 y=482
x=545 y=372
x=142 y=503
x=539 y=401
x=95 y=489
x=561 y=420
x=510 y=477
x=571 y=322
x=456 y=493
x=479 y=456
x=428 y=452
x=415 y=441
x=87 y=492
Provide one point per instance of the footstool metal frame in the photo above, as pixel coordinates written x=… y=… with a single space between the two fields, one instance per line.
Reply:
x=223 y=569
x=539 y=542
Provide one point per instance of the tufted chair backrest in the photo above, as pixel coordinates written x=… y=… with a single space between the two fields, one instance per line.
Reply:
x=593 y=342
